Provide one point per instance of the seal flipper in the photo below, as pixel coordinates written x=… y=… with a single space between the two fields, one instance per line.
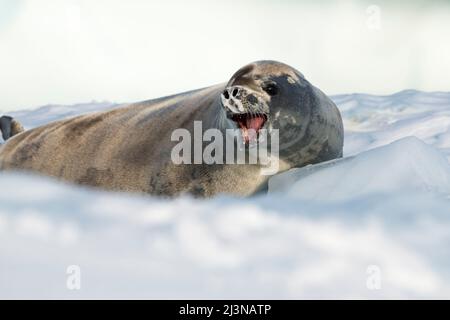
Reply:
x=9 y=127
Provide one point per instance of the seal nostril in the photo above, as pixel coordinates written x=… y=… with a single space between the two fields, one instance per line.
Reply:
x=235 y=92
x=226 y=94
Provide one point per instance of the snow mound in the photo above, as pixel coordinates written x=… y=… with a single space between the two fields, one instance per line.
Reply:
x=374 y=224
x=404 y=166
x=268 y=247
x=371 y=121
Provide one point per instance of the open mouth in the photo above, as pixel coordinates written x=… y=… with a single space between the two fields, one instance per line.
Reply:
x=250 y=125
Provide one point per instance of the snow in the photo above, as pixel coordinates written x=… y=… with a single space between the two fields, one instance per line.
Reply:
x=323 y=231
x=406 y=165
x=372 y=121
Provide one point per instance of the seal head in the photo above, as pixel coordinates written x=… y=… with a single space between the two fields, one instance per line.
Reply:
x=272 y=95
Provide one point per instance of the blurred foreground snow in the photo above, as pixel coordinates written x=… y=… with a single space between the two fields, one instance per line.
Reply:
x=321 y=232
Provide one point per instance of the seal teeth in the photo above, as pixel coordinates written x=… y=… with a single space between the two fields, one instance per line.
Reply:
x=250 y=124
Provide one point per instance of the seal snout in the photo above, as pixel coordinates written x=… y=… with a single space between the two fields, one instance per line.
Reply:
x=245 y=109
x=239 y=99
x=233 y=99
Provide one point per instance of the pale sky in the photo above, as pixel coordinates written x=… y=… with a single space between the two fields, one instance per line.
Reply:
x=71 y=51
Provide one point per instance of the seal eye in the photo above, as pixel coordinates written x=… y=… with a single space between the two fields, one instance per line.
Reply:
x=270 y=88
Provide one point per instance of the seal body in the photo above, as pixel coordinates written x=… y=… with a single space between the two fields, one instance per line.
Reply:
x=130 y=148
